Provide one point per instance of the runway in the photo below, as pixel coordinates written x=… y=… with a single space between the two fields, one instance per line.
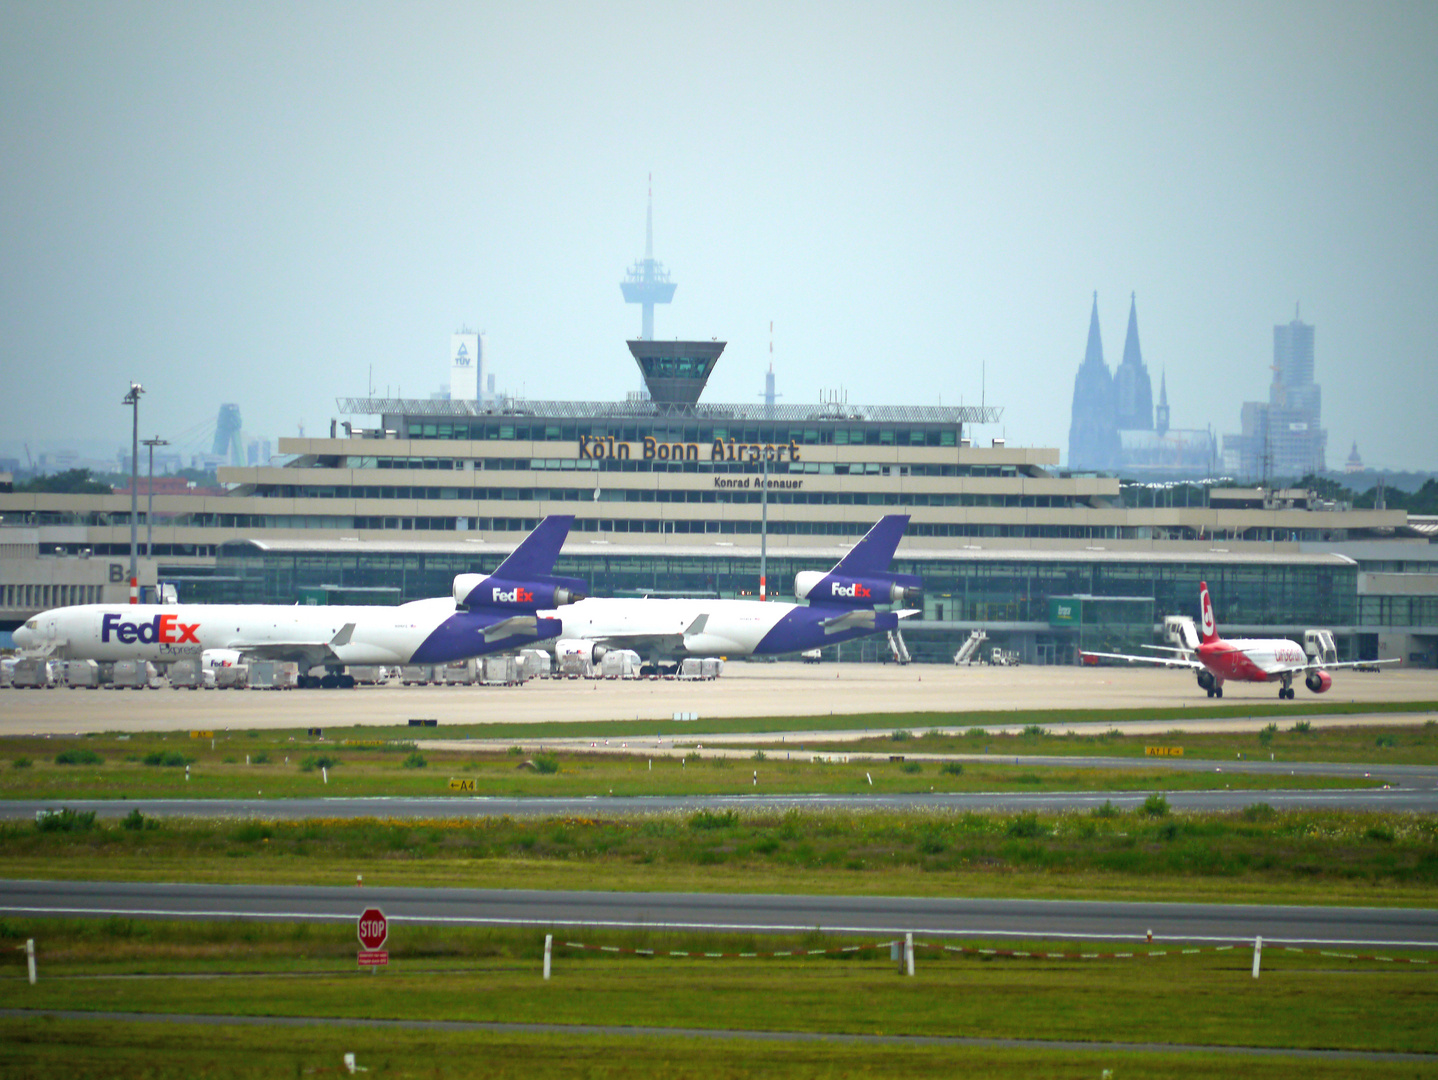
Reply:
x=1385 y=800
x=745 y=690
x=756 y=913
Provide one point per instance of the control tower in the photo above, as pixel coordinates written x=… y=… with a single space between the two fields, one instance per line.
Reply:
x=647 y=282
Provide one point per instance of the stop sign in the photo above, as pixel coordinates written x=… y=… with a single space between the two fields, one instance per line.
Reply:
x=373 y=928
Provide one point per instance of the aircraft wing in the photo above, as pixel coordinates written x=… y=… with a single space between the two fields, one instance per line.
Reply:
x=648 y=643
x=307 y=654
x=1162 y=661
x=1299 y=669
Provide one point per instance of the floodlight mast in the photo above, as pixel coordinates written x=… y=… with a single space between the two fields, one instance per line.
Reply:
x=132 y=399
x=150 y=498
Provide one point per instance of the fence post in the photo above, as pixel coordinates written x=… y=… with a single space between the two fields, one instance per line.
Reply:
x=548 y=951
x=909 y=951
x=1257 y=954
x=30 y=958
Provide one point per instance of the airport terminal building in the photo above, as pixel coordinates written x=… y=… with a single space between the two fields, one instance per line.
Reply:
x=676 y=497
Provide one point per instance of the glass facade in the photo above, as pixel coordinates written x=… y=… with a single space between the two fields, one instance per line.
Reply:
x=960 y=593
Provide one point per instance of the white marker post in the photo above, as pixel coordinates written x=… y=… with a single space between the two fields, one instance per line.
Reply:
x=909 y=951
x=30 y=958
x=1257 y=954
x=548 y=952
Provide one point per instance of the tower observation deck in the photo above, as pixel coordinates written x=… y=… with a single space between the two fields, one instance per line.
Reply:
x=647 y=282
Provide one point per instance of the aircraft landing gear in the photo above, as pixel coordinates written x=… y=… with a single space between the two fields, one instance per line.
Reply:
x=1286 y=691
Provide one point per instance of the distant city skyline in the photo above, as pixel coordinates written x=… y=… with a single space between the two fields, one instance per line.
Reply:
x=270 y=206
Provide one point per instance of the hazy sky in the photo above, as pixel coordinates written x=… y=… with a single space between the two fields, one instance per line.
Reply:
x=255 y=203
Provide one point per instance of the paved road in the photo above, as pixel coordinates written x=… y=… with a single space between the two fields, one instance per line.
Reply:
x=1388 y=800
x=884 y=915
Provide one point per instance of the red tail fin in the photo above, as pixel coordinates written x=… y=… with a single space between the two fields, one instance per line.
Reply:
x=1207 y=626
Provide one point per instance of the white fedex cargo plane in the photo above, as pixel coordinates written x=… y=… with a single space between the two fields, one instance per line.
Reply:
x=487 y=613
x=840 y=608
x=1217 y=661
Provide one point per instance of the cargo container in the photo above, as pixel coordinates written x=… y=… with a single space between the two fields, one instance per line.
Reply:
x=708 y=667
x=501 y=671
x=7 y=671
x=232 y=677
x=186 y=675
x=535 y=663
x=33 y=674
x=458 y=673
x=416 y=674
x=84 y=673
x=368 y=674
x=134 y=675
x=619 y=664
x=273 y=675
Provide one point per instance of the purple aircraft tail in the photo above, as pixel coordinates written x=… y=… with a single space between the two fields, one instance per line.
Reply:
x=536 y=552
x=861 y=578
x=873 y=553
x=523 y=581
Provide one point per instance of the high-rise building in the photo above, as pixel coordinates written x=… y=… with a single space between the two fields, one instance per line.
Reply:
x=466 y=359
x=1284 y=436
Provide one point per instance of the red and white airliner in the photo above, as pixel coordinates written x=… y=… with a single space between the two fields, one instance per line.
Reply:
x=1241 y=660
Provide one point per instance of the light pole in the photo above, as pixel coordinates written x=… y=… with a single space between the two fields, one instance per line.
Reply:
x=150 y=497
x=132 y=399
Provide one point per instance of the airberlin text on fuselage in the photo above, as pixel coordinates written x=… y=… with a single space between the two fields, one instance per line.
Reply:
x=598 y=449
x=161 y=630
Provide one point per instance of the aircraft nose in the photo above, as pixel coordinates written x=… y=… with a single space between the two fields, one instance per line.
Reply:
x=23 y=638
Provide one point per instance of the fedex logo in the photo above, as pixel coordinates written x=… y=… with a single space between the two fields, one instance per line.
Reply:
x=162 y=629
x=517 y=595
x=853 y=592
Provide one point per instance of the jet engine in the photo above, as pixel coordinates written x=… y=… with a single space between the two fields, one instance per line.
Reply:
x=1318 y=681
x=578 y=649
x=825 y=586
x=542 y=594
x=1205 y=681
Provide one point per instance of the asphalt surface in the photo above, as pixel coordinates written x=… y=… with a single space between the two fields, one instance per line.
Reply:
x=939 y=917
x=745 y=690
x=1390 y=800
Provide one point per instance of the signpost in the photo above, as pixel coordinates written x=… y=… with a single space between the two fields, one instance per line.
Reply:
x=373 y=931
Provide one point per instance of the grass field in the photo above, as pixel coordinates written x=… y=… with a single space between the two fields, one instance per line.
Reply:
x=1259 y=853
x=277 y=970
x=366 y=762
x=1285 y=740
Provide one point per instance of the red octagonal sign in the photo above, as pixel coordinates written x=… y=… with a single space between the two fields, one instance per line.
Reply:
x=373 y=928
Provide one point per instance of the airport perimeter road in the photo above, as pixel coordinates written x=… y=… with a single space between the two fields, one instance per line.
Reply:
x=1034 y=919
x=1387 y=800
x=787 y=689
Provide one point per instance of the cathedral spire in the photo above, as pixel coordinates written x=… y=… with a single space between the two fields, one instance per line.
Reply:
x=1161 y=413
x=1094 y=353
x=1131 y=381
x=1132 y=354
